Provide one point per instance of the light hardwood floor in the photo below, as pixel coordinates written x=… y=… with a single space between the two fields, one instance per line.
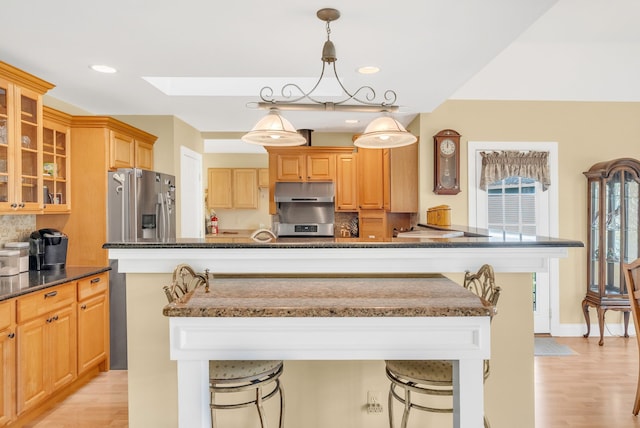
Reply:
x=593 y=389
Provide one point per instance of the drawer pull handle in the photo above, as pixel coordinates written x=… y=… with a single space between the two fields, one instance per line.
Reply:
x=95 y=280
x=83 y=307
x=12 y=335
x=51 y=294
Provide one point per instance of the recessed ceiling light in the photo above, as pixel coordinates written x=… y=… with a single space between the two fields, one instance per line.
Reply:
x=350 y=121
x=368 y=69
x=103 y=68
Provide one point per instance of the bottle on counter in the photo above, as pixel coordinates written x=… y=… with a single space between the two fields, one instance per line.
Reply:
x=214 y=223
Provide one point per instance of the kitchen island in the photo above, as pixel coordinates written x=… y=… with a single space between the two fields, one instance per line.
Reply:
x=153 y=376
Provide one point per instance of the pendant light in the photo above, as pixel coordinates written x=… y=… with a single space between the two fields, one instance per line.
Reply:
x=274 y=130
x=383 y=133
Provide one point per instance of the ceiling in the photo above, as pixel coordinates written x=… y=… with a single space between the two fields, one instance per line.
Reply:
x=428 y=51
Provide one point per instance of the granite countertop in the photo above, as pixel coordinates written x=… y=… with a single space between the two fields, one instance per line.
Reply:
x=421 y=295
x=472 y=238
x=28 y=282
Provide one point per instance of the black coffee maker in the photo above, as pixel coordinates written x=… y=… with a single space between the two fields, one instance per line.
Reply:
x=47 y=250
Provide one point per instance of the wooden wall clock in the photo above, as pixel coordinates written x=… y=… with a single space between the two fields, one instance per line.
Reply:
x=446 y=161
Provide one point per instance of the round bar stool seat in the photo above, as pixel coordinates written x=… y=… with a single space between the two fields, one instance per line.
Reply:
x=231 y=376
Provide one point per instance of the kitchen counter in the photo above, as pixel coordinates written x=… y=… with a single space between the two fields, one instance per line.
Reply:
x=328 y=296
x=329 y=317
x=28 y=282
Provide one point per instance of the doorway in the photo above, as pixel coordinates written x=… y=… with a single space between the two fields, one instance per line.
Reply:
x=519 y=205
x=191 y=194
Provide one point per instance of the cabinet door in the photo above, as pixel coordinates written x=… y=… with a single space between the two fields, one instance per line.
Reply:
x=7 y=361
x=245 y=188
x=6 y=134
x=61 y=360
x=346 y=183
x=401 y=172
x=263 y=177
x=31 y=373
x=144 y=155
x=56 y=137
x=321 y=167
x=93 y=318
x=290 y=168
x=370 y=179
x=372 y=225
x=29 y=153
x=220 y=193
x=121 y=151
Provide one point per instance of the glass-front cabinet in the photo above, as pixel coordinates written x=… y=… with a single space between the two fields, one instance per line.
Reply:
x=614 y=238
x=20 y=140
x=56 y=137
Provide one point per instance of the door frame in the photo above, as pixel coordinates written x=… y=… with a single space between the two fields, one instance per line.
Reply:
x=187 y=204
x=474 y=164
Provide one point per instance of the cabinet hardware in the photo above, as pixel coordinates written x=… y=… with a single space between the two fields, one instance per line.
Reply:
x=14 y=205
x=11 y=335
x=51 y=294
x=83 y=307
x=22 y=205
x=95 y=280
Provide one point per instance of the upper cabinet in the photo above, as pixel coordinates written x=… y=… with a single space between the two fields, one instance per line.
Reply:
x=56 y=139
x=388 y=179
x=304 y=163
x=21 y=140
x=346 y=182
x=127 y=147
x=232 y=188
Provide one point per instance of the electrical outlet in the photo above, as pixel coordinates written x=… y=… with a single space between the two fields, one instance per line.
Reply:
x=373 y=402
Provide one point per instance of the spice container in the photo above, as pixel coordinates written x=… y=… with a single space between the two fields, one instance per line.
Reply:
x=9 y=262
x=23 y=248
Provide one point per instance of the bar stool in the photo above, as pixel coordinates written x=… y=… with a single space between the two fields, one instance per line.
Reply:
x=434 y=377
x=231 y=376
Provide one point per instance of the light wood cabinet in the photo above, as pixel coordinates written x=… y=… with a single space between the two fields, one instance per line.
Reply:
x=370 y=179
x=263 y=177
x=235 y=188
x=127 y=151
x=20 y=140
x=245 y=188
x=346 y=182
x=93 y=322
x=219 y=192
x=373 y=225
x=388 y=179
x=302 y=164
x=46 y=344
x=7 y=361
x=56 y=138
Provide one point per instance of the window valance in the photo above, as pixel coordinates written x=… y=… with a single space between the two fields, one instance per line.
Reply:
x=499 y=165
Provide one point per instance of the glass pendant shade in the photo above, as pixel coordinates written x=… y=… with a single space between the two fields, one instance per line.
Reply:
x=384 y=133
x=274 y=130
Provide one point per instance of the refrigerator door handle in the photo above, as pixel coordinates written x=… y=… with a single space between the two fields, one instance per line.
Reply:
x=160 y=218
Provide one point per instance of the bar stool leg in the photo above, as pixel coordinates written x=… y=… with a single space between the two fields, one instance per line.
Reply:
x=263 y=421
x=407 y=408
x=213 y=412
x=281 y=391
x=390 y=406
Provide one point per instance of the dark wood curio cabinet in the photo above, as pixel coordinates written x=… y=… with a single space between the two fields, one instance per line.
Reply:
x=613 y=236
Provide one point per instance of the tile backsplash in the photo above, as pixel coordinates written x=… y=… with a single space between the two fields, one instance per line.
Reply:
x=16 y=227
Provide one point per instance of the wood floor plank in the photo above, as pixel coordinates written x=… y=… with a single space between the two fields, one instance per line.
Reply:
x=594 y=388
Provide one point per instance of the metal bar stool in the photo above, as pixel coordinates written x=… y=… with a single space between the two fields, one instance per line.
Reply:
x=231 y=376
x=238 y=376
x=434 y=377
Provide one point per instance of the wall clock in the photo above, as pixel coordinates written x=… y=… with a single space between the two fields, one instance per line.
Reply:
x=446 y=161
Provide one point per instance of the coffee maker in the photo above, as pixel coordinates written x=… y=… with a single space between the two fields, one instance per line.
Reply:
x=47 y=250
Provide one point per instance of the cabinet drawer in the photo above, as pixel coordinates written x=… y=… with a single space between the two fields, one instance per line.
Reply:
x=90 y=286
x=6 y=314
x=45 y=301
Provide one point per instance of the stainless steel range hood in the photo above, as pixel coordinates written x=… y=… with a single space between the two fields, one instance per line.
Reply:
x=313 y=191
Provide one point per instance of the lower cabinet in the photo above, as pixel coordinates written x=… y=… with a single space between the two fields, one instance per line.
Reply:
x=47 y=344
x=93 y=322
x=48 y=339
x=7 y=361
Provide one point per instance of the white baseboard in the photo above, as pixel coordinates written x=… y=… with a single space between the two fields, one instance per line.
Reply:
x=577 y=330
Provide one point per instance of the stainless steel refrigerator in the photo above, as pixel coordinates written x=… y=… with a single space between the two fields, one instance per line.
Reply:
x=140 y=207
